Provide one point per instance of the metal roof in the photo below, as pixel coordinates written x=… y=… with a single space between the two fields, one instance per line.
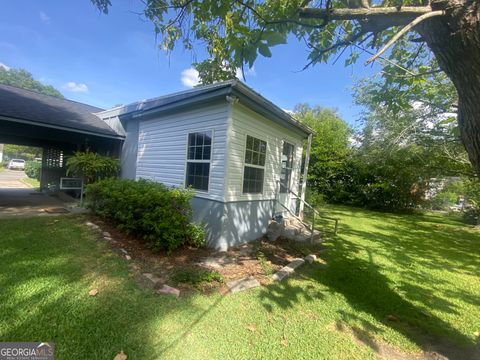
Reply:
x=31 y=107
x=202 y=94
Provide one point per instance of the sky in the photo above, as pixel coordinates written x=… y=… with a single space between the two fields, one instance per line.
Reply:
x=106 y=60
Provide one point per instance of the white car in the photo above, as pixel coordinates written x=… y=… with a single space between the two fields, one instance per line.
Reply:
x=18 y=164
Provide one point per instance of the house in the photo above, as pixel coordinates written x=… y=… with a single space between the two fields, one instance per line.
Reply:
x=240 y=153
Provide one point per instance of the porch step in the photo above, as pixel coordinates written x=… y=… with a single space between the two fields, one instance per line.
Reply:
x=293 y=229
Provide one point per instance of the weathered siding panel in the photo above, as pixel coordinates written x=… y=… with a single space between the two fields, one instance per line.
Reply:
x=162 y=146
x=247 y=122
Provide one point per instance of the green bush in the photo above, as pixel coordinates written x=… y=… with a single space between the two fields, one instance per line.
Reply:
x=152 y=211
x=92 y=166
x=32 y=169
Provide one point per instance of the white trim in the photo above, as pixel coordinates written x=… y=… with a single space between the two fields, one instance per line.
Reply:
x=199 y=191
x=228 y=151
x=254 y=166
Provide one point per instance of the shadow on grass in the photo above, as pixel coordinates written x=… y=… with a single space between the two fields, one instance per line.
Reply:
x=45 y=278
x=406 y=306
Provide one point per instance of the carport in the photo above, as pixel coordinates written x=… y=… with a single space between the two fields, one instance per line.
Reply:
x=59 y=126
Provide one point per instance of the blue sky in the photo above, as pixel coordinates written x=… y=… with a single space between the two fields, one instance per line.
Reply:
x=105 y=60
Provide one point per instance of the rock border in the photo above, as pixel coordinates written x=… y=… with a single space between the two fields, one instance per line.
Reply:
x=290 y=268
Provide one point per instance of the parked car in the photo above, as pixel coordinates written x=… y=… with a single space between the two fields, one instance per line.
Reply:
x=18 y=164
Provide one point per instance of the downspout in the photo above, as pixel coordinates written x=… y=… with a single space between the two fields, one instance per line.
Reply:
x=305 y=173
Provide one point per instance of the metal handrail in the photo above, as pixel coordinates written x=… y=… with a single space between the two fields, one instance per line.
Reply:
x=315 y=212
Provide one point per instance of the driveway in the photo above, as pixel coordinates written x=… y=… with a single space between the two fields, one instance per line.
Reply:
x=19 y=199
x=11 y=179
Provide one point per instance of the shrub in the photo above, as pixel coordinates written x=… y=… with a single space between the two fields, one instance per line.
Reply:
x=152 y=211
x=32 y=169
x=92 y=166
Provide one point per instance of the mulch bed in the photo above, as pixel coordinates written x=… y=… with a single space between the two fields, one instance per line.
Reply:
x=260 y=258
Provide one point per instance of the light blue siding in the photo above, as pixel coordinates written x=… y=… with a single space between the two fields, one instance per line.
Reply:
x=162 y=146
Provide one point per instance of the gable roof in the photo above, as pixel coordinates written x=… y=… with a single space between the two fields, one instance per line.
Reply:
x=201 y=94
x=34 y=108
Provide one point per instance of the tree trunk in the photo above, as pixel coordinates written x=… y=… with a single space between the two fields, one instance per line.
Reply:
x=455 y=41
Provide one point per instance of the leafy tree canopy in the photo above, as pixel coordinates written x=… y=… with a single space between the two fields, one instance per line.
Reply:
x=407 y=36
x=23 y=79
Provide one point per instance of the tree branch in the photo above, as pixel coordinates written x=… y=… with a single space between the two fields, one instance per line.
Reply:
x=403 y=31
x=407 y=12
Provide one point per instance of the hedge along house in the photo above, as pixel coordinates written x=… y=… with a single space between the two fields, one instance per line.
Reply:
x=237 y=150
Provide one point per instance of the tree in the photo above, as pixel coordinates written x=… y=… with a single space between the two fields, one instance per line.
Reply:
x=21 y=152
x=394 y=120
x=234 y=32
x=23 y=79
x=330 y=144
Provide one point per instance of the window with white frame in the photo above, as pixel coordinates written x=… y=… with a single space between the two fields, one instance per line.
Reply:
x=254 y=170
x=199 y=153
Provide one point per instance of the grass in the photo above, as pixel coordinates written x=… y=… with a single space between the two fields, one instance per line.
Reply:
x=34 y=183
x=421 y=269
x=195 y=276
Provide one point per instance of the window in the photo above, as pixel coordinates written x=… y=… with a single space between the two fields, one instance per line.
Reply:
x=198 y=160
x=287 y=164
x=254 y=171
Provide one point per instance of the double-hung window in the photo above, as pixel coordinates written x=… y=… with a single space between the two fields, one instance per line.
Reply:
x=254 y=170
x=199 y=153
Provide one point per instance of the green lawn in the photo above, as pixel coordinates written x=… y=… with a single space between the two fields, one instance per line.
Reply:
x=34 y=183
x=396 y=279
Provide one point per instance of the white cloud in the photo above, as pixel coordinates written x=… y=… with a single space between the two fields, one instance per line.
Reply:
x=190 y=77
x=2 y=65
x=74 y=87
x=248 y=72
x=44 y=17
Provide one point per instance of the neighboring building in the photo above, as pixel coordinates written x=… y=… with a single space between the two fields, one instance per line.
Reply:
x=239 y=151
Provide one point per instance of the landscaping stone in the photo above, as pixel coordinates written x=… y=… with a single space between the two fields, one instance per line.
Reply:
x=274 y=230
x=243 y=284
x=168 y=290
x=311 y=258
x=128 y=257
x=152 y=278
x=287 y=270
x=245 y=250
x=106 y=234
x=217 y=262
x=281 y=274
x=123 y=251
x=108 y=238
x=134 y=267
x=78 y=210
